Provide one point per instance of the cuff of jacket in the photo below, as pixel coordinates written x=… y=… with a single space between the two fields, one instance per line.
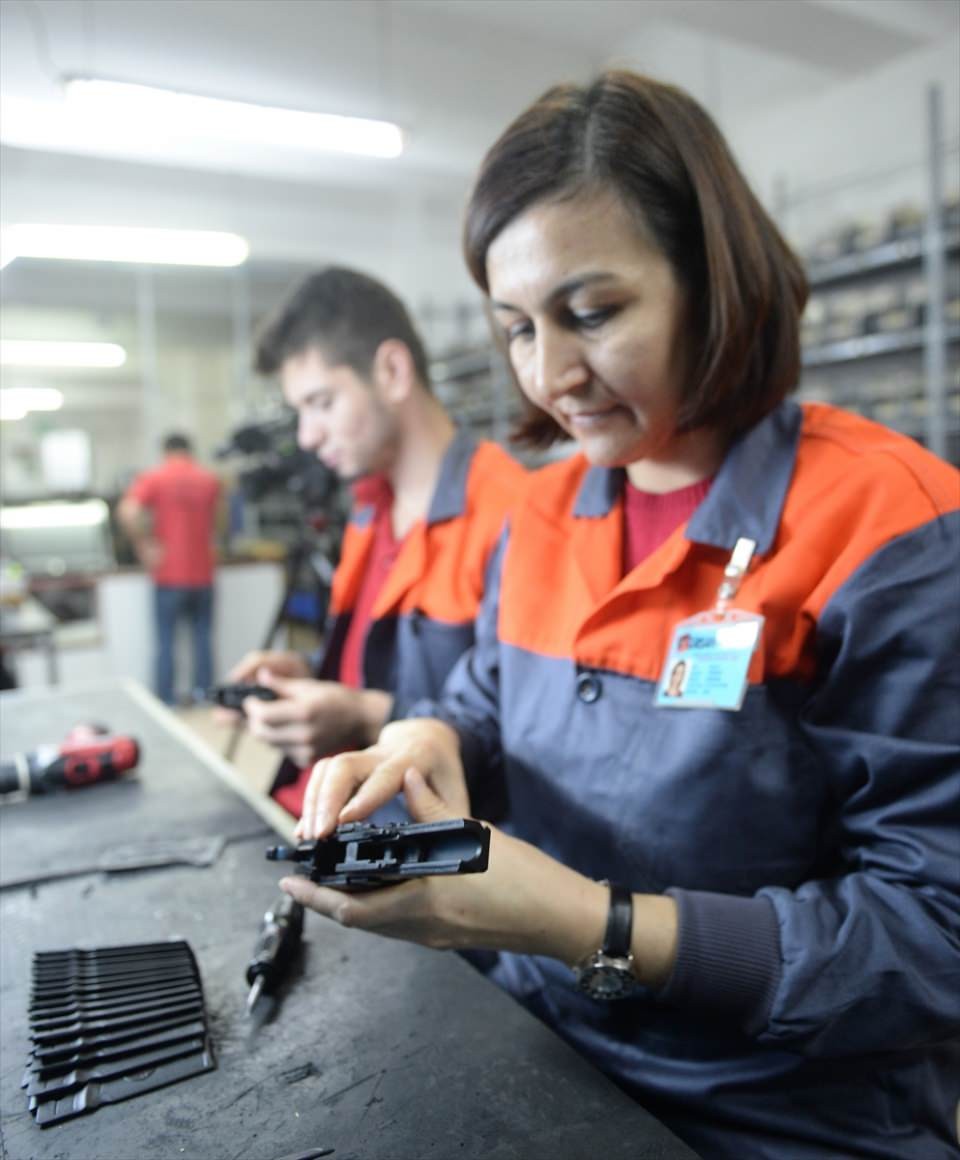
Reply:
x=728 y=957
x=483 y=772
x=469 y=745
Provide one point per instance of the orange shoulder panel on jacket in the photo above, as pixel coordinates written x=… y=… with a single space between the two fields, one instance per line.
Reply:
x=348 y=576
x=441 y=568
x=558 y=566
x=856 y=486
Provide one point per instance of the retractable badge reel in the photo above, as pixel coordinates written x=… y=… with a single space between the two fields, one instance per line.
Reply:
x=710 y=653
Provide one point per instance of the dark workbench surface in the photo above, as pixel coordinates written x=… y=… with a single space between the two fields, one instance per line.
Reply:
x=378 y=1049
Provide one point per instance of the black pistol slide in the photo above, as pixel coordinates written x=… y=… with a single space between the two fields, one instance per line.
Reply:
x=361 y=856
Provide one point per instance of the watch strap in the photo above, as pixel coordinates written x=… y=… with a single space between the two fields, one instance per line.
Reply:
x=616 y=940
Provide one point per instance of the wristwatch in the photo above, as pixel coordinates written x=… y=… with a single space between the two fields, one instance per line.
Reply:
x=608 y=972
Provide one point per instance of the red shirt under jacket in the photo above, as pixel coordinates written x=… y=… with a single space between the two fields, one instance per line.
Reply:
x=648 y=519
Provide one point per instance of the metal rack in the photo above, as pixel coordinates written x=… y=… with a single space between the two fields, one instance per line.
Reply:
x=476 y=388
x=884 y=318
x=868 y=345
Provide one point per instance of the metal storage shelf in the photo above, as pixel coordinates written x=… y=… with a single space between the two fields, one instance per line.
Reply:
x=888 y=256
x=909 y=377
x=475 y=386
x=869 y=346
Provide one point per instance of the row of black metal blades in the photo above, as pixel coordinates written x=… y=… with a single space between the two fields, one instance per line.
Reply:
x=112 y=1023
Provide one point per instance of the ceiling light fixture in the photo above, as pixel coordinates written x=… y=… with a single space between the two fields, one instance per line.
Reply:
x=122 y=244
x=29 y=353
x=144 y=109
x=11 y=410
x=31 y=399
x=86 y=514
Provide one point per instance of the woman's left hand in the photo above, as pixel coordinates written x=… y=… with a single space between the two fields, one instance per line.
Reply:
x=525 y=901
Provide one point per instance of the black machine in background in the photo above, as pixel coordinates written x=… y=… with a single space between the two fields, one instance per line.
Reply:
x=296 y=501
x=278 y=463
x=277 y=477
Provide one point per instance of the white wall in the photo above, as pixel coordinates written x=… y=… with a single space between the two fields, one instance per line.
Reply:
x=867 y=135
x=853 y=150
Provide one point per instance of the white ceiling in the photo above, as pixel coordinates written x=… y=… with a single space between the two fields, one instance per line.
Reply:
x=451 y=72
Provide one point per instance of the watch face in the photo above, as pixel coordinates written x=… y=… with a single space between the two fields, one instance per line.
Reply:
x=604 y=978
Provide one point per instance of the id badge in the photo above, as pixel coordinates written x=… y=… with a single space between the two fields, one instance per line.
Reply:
x=708 y=661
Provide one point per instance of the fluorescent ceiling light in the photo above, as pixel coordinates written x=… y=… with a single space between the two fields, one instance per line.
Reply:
x=55 y=515
x=123 y=244
x=24 y=353
x=11 y=410
x=31 y=399
x=143 y=109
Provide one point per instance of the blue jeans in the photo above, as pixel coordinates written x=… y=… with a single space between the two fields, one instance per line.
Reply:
x=172 y=604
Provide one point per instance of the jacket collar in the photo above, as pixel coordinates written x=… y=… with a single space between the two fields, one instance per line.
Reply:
x=449 y=498
x=747 y=495
x=450 y=495
x=599 y=491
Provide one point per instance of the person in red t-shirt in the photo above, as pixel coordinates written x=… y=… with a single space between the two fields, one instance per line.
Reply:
x=428 y=508
x=170 y=515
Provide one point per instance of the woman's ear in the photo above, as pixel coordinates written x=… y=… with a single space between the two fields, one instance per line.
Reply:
x=394 y=375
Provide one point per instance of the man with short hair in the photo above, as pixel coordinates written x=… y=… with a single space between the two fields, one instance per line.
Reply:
x=429 y=503
x=170 y=515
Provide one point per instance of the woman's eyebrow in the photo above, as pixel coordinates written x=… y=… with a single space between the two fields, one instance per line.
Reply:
x=563 y=290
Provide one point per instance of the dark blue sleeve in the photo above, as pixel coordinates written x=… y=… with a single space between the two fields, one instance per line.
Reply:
x=470 y=701
x=866 y=959
x=871 y=958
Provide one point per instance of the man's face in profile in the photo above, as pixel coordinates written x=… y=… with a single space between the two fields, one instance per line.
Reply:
x=340 y=417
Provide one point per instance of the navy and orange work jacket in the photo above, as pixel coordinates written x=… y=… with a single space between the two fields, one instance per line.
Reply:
x=424 y=614
x=811 y=840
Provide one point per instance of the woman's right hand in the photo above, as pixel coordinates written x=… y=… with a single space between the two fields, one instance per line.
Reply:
x=350 y=786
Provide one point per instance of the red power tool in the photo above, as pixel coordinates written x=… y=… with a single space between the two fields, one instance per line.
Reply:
x=89 y=754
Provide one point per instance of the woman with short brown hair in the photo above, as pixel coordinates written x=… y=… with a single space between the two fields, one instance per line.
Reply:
x=666 y=160
x=763 y=870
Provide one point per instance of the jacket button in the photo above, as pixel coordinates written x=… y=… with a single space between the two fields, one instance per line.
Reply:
x=588 y=688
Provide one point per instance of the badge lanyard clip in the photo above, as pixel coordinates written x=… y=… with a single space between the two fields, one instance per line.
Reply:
x=709 y=656
x=734 y=573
